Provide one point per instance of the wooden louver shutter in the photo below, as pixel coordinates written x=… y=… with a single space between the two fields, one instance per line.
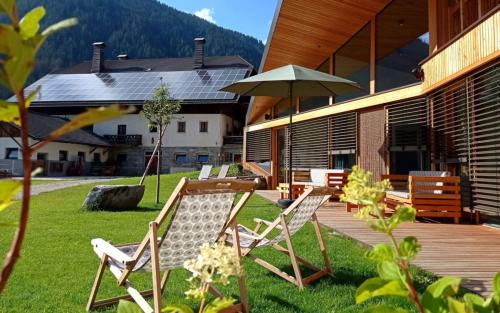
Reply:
x=258 y=148
x=343 y=130
x=310 y=144
x=406 y=125
x=484 y=117
x=450 y=135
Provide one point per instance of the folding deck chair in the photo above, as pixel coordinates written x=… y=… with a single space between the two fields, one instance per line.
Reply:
x=223 y=171
x=205 y=172
x=288 y=223
x=200 y=213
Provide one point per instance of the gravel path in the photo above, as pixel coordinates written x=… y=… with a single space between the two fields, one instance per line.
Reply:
x=38 y=189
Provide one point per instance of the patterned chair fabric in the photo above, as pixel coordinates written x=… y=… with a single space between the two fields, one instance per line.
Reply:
x=198 y=219
x=301 y=215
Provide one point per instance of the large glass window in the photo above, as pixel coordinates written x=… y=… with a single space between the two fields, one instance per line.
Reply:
x=456 y=15
x=311 y=103
x=402 y=42
x=352 y=61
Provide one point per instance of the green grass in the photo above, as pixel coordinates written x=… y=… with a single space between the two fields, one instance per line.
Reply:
x=58 y=265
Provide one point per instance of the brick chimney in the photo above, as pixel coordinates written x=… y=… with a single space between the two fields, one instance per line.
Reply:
x=199 y=53
x=98 y=57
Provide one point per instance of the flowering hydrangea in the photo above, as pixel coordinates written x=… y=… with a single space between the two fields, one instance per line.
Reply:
x=215 y=264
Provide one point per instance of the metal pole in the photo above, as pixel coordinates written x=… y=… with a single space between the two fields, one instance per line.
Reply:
x=290 y=128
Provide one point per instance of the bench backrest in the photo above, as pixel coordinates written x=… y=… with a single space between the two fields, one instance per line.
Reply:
x=429 y=174
x=318 y=175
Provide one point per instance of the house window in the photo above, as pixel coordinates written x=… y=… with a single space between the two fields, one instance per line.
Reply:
x=203 y=127
x=202 y=158
x=63 y=155
x=81 y=156
x=121 y=158
x=97 y=157
x=153 y=128
x=122 y=130
x=12 y=153
x=181 y=158
x=181 y=127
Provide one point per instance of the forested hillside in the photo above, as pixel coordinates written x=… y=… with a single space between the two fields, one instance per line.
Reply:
x=140 y=28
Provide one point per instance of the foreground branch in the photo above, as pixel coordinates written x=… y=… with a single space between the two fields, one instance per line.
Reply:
x=17 y=242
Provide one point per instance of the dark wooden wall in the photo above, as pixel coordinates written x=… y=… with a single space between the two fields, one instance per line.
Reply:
x=372 y=141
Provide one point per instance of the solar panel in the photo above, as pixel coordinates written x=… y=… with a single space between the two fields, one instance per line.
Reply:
x=137 y=86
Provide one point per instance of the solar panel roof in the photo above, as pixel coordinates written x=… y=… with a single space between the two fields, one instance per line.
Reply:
x=194 y=85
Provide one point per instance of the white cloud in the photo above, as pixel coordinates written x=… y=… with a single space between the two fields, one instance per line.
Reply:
x=206 y=14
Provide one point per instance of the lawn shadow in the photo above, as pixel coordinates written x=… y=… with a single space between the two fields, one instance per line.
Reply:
x=136 y=209
x=283 y=303
x=340 y=276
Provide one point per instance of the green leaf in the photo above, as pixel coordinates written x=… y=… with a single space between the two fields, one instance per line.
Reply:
x=9 y=112
x=456 y=306
x=90 y=117
x=401 y=215
x=8 y=189
x=388 y=270
x=128 y=307
x=409 y=248
x=374 y=287
x=19 y=66
x=8 y=7
x=177 y=308
x=381 y=252
x=496 y=284
x=60 y=25
x=30 y=23
x=10 y=41
x=384 y=308
x=219 y=304
x=434 y=297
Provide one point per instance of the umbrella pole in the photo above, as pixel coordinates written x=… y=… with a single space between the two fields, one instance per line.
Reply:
x=290 y=143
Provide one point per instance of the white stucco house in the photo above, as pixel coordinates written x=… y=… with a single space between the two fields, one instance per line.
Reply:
x=208 y=129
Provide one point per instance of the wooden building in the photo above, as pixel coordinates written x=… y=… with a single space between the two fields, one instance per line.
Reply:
x=431 y=101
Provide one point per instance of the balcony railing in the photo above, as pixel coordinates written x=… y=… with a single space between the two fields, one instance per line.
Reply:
x=124 y=140
x=233 y=140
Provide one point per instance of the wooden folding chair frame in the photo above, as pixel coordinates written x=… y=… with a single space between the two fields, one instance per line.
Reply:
x=281 y=224
x=185 y=187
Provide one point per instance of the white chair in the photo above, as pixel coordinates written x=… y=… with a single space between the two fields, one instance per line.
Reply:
x=205 y=172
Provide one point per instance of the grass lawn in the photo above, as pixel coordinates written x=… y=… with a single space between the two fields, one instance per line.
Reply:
x=58 y=265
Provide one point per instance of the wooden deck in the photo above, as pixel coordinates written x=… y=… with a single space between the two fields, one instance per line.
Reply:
x=468 y=251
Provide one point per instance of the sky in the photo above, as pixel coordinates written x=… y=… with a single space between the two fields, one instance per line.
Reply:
x=250 y=17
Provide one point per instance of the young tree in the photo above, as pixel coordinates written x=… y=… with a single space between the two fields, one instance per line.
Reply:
x=20 y=41
x=159 y=111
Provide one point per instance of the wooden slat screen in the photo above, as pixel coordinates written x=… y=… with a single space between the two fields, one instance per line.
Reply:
x=407 y=125
x=450 y=135
x=483 y=90
x=310 y=144
x=259 y=146
x=343 y=133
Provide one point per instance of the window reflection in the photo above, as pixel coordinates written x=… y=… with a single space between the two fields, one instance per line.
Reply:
x=402 y=43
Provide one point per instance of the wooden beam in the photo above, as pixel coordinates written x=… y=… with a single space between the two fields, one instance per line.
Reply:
x=373 y=53
x=331 y=71
x=433 y=26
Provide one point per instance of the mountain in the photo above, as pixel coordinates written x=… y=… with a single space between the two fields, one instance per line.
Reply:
x=139 y=28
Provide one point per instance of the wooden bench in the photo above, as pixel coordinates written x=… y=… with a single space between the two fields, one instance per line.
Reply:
x=297 y=190
x=432 y=196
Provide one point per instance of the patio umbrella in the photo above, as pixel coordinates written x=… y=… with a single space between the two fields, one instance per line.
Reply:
x=292 y=81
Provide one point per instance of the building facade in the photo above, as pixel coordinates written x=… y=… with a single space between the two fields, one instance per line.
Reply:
x=430 y=70
x=208 y=128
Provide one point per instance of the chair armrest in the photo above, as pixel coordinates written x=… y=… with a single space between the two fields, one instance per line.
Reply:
x=111 y=251
x=247 y=236
x=267 y=223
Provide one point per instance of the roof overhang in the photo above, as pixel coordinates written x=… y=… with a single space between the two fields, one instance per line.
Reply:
x=307 y=32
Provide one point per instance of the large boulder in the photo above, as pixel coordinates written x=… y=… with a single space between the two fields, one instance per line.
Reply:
x=113 y=198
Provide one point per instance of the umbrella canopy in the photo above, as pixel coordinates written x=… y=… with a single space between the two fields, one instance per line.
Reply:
x=293 y=81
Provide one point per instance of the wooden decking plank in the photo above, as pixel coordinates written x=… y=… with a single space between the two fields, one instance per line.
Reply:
x=469 y=251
